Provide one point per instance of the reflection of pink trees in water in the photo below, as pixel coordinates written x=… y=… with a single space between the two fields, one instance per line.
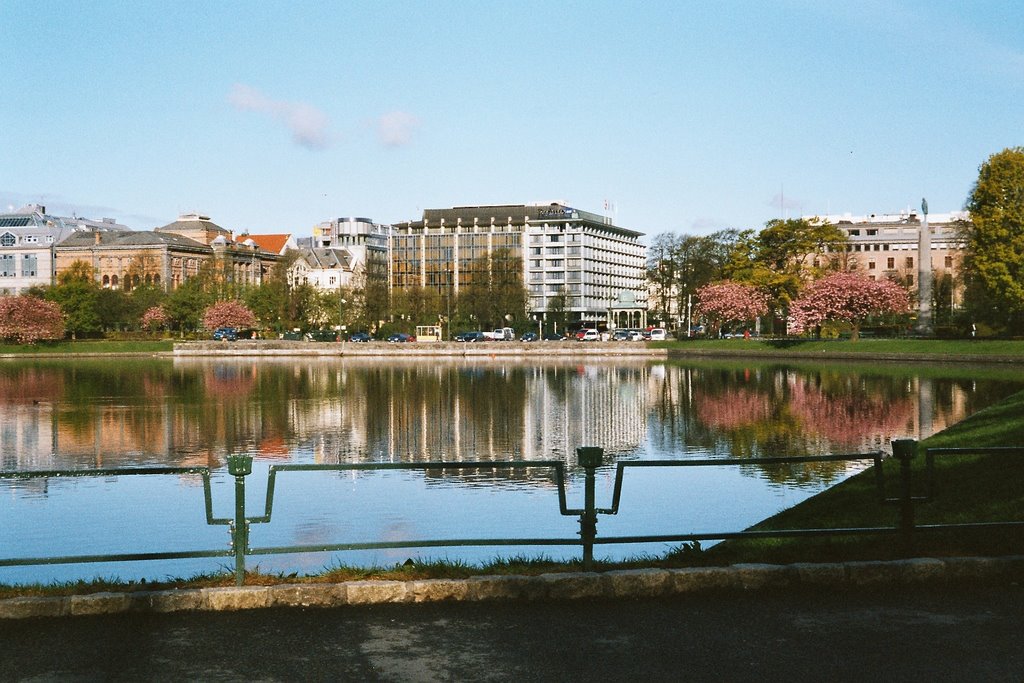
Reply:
x=845 y=416
x=30 y=385
x=846 y=419
x=735 y=408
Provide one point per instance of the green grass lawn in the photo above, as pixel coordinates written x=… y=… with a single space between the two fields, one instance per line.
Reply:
x=941 y=347
x=89 y=346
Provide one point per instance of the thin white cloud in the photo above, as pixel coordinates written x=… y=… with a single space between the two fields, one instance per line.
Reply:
x=397 y=128
x=309 y=126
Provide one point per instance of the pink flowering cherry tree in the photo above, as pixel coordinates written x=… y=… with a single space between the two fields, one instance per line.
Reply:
x=154 y=318
x=728 y=302
x=846 y=297
x=228 y=314
x=27 y=319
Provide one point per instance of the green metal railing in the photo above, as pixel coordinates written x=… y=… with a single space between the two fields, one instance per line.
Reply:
x=588 y=458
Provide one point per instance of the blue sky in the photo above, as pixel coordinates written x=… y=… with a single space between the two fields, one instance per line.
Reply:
x=687 y=116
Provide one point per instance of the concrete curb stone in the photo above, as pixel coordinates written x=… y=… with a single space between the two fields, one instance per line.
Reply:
x=635 y=583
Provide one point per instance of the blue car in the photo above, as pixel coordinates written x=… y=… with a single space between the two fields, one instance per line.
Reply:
x=225 y=334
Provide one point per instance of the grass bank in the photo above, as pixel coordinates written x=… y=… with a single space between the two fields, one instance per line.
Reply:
x=88 y=347
x=967 y=489
x=952 y=349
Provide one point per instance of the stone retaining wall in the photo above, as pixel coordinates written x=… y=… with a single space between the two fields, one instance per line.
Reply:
x=566 y=586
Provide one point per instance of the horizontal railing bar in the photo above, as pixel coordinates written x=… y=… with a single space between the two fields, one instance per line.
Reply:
x=993 y=450
x=110 y=472
x=124 y=557
x=705 y=462
x=383 y=545
x=439 y=465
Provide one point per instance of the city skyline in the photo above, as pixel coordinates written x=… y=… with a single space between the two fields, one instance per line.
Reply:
x=665 y=117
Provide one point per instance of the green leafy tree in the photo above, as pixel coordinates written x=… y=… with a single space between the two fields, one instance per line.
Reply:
x=497 y=296
x=994 y=242
x=784 y=256
x=78 y=296
x=558 y=311
x=115 y=310
x=185 y=305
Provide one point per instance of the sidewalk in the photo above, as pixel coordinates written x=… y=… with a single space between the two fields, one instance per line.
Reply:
x=950 y=632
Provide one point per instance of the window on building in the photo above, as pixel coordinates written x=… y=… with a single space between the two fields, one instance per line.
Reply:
x=890 y=263
x=8 y=239
x=29 y=265
x=910 y=262
x=949 y=261
x=871 y=265
x=554 y=238
x=7 y=265
x=535 y=251
x=910 y=280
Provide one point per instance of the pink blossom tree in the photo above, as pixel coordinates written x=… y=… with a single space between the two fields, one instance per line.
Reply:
x=846 y=297
x=26 y=319
x=228 y=314
x=727 y=302
x=154 y=318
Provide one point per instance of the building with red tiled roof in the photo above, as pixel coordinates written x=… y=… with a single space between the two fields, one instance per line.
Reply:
x=275 y=243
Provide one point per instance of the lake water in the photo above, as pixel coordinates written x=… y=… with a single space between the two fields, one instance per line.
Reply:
x=98 y=414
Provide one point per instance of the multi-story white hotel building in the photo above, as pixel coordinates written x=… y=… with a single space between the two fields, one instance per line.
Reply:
x=599 y=267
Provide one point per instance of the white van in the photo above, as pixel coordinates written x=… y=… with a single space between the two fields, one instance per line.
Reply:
x=659 y=334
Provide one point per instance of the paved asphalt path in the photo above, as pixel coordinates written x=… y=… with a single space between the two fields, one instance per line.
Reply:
x=915 y=634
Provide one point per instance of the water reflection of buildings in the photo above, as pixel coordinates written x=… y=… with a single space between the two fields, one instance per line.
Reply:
x=497 y=412
x=194 y=412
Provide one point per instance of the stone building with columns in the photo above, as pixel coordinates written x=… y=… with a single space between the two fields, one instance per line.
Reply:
x=165 y=257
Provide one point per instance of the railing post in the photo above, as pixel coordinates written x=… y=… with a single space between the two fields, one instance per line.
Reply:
x=904 y=450
x=590 y=458
x=239 y=466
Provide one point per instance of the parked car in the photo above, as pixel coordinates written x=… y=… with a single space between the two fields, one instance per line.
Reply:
x=225 y=334
x=529 y=337
x=293 y=335
x=360 y=337
x=322 y=336
x=551 y=336
x=501 y=334
x=622 y=335
x=589 y=334
x=400 y=337
x=659 y=334
x=470 y=337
